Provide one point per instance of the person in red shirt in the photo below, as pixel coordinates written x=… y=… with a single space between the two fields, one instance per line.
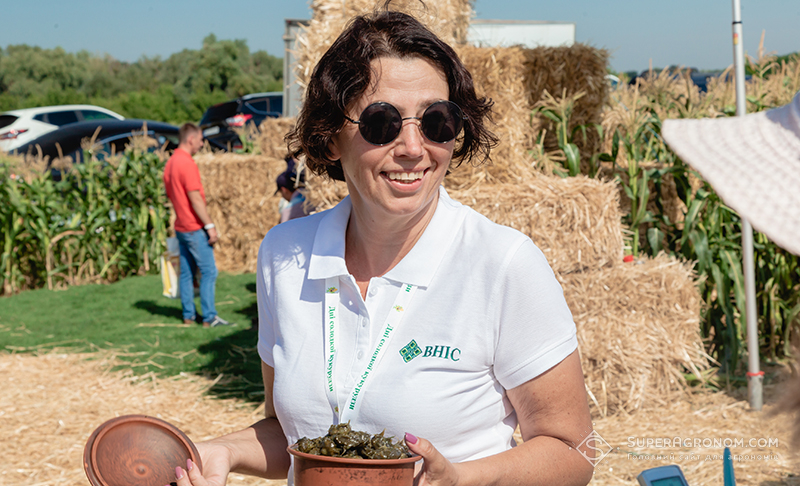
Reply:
x=193 y=226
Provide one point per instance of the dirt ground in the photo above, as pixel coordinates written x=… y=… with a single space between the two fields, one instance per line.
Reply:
x=51 y=403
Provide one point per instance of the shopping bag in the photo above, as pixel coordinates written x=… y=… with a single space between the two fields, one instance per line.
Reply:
x=170 y=268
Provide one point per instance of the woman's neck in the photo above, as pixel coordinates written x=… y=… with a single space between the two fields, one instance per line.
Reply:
x=373 y=246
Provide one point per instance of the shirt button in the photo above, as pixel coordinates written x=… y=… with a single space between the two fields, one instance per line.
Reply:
x=360 y=354
x=372 y=292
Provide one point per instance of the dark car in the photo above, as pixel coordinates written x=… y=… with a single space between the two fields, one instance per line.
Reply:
x=219 y=122
x=111 y=137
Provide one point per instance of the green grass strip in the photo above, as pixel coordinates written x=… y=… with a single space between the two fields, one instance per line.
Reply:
x=143 y=328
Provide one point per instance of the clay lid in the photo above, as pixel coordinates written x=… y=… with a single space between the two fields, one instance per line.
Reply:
x=136 y=449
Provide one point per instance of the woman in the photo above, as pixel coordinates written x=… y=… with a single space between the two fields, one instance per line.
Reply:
x=400 y=309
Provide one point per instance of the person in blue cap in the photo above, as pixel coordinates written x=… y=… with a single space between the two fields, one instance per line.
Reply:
x=293 y=199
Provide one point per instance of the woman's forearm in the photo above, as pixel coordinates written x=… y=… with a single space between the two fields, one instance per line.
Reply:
x=259 y=450
x=539 y=461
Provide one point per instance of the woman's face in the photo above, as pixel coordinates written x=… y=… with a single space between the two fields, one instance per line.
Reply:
x=401 y=178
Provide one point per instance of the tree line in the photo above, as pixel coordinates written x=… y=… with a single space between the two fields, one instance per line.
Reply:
x=174 y=90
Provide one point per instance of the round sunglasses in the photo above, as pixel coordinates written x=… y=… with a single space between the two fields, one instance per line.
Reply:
x=380 y=123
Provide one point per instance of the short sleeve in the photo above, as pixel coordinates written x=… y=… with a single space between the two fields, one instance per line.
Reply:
x=535 y=330
x=191 y=177
x=266 y=328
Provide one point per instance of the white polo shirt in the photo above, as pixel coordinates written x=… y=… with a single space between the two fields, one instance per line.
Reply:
x=488 y=315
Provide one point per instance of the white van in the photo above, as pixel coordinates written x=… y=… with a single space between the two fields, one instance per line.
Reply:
x=18 y=127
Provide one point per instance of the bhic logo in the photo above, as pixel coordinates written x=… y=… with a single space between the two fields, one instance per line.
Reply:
x=412 y=350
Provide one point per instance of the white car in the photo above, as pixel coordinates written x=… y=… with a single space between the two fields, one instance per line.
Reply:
x=18 y=127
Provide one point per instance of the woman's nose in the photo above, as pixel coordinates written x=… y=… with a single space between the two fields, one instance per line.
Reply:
x=410 y=139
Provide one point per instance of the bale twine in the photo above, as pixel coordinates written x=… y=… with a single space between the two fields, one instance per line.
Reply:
x=449 y=19
x=241 y=199
x=638 y=331
x=575 y=221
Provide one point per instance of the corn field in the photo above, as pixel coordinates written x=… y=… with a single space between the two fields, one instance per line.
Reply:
x=96 y=221
x=669 y=208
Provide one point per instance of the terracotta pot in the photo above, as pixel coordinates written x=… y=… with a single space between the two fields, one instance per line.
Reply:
x=136 y=449
x=313 y=470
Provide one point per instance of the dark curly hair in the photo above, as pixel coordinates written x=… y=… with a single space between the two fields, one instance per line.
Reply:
x=344 y=73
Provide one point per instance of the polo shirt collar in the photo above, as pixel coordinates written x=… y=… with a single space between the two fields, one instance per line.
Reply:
x=418 y=267
x=327 y=254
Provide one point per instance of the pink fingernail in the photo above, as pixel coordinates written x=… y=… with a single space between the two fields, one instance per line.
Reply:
x=410 y=438
x=189 y=464
x=179 y=472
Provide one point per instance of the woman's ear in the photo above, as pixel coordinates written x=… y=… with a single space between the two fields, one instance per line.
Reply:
x=333 y=149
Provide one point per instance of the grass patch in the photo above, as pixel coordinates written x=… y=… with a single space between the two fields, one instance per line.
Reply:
x=145 y=328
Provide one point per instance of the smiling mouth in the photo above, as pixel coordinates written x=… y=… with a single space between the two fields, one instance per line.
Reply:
x=405 y=176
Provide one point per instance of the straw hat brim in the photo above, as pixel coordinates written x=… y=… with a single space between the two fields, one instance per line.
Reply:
x=752 y=162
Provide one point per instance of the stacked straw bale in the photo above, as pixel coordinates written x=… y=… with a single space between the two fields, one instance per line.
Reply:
x=565 y=72
x=449 y=19
x=497 y=73
x=518 y=80
x=240 y=193
x=271 y=137
x=638 y=330
x=575 y=221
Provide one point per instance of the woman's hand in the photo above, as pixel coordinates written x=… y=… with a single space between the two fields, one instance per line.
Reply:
x=216 y=459
x=436 y=470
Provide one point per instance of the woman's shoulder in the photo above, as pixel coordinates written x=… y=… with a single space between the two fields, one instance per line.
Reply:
x=295 y=236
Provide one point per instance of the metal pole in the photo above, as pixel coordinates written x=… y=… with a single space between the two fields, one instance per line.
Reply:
x=288 y=41
x=755 y=376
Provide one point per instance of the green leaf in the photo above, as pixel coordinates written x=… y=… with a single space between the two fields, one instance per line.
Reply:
x=734 y=272
x=573 y=155
x=654 y=238
x=700 y=245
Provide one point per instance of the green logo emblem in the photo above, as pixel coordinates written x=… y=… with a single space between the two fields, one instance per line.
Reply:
x=398 y=308
x=332 y=290
x=410 y=351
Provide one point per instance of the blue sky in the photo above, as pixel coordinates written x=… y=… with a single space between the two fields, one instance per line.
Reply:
x=693 y=33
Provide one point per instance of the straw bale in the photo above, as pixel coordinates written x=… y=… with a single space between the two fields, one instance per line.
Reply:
x=323 y=192
x=497 y=73
x=449 y=19
x=574 y=221
x=566 y=72
x=270 y=139
x=240 y=193
x=638 y=332
x=51 y=404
